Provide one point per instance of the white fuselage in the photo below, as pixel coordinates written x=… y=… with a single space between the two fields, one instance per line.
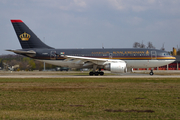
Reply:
x=130 y=63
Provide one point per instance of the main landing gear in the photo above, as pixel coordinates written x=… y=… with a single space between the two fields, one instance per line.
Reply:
x=96 y=73
x=151 y=73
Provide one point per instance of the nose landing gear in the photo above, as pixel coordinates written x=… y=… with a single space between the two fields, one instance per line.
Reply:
x=151 y=73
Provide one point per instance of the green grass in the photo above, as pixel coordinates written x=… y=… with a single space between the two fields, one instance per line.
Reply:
x=89 y=98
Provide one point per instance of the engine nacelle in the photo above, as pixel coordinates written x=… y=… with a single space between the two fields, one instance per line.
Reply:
x=117 y=67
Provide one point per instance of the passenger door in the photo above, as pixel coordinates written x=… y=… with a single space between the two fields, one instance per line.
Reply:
x=153 y=55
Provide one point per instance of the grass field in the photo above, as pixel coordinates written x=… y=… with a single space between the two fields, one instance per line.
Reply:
x=89 y=98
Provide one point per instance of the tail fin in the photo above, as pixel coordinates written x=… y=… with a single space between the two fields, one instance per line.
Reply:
x=26 y=37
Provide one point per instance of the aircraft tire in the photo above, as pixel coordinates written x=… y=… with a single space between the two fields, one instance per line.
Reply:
x=91 y=73
x=96 y=73
x=101 y=73
x=151 y=73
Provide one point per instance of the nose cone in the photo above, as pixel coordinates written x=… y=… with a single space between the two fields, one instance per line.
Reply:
x=173 y=58
x=170 y=59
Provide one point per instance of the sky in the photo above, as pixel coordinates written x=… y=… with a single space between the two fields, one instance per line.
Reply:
x=93 y=23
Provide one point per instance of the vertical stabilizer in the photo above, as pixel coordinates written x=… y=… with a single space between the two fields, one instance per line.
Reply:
x=26 y=37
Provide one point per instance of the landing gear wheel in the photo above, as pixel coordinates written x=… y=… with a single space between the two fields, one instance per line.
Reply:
x=151 y=73
x=101 y=73
x=96 y=73
x=91 y=73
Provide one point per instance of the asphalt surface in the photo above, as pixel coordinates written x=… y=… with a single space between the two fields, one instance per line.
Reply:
x=137 y=74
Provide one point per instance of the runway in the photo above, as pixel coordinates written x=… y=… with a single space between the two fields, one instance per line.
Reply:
x=137 y=74
x=89 y=76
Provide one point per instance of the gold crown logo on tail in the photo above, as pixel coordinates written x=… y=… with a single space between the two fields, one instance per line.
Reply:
x=24 y=36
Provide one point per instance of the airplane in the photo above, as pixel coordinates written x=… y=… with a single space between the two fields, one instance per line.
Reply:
x=116 y=60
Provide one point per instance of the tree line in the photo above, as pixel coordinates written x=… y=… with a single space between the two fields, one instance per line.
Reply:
x=25 y=63
x=151 y=46
x=142 y=45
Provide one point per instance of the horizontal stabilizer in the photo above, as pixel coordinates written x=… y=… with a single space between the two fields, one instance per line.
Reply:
x=29 y=53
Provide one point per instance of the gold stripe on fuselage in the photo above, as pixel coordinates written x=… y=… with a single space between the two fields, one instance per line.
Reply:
x=132 y=58
x=144 y=58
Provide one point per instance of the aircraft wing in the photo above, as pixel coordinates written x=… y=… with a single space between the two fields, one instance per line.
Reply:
x=97 y=61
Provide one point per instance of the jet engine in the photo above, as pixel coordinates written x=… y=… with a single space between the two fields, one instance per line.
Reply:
x=116 y=67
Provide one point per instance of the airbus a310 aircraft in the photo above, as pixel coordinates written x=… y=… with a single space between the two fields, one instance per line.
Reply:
x=117 y=60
